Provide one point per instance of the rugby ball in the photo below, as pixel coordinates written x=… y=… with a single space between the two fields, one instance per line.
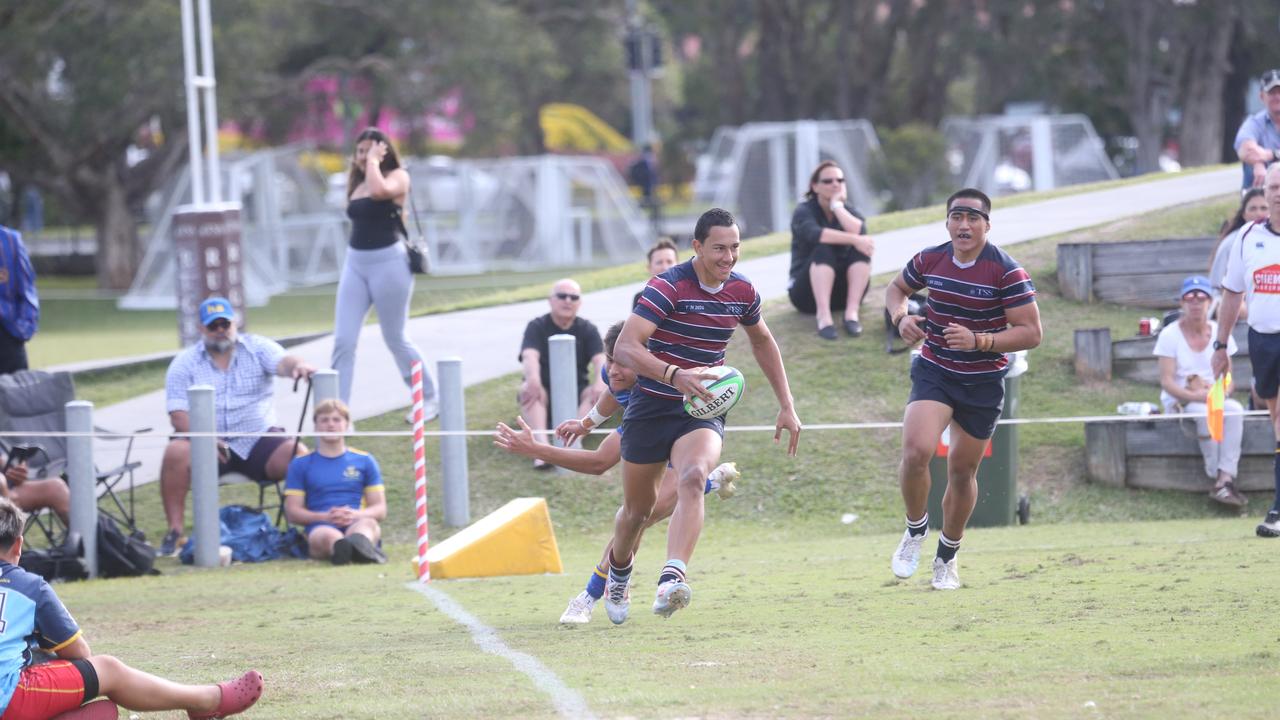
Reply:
x=727 y=387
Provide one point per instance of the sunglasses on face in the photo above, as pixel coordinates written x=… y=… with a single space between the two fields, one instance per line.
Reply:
x=568 y=296
x=828 y=181
x=219 y=324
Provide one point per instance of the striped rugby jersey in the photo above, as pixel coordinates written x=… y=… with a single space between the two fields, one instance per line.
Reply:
x=694 y=322
x=974 y=297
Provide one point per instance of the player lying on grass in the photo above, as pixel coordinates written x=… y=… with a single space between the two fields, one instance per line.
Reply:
x=36 y=623
x=600 y=460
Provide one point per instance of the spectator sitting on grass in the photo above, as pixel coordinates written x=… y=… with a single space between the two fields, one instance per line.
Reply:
x=1186 y=374
x=337 y=493
x=34 y=618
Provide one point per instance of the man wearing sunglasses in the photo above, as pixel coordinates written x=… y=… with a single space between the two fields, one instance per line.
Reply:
x=535 y=357
x=242 y=370
x=1258 y=139
x=981 y=306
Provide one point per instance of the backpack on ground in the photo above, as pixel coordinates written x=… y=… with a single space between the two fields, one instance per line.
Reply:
x=121 y=555
x=64 y=562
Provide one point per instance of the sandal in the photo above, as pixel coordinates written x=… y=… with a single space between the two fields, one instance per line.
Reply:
x=237 y=696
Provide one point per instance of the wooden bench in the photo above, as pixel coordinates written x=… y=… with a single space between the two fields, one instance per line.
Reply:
x=1164 y=455
x=1098 y=357
x=1145 y=273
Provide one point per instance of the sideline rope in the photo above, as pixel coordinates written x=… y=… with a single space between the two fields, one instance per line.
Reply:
x=420 y=476
x=886 y=425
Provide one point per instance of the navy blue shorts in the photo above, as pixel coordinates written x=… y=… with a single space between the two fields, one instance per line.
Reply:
x=975 y=407
x=653 y=426
x=1264 y=355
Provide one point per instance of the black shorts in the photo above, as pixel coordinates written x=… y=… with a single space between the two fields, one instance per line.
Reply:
x=653 y=426
x=13 y=353
x=839 y=257
x=975 y=407
x=1264 y=355
x=253 y=467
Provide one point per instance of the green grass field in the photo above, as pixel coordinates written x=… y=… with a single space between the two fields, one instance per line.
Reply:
x=1153 y=619
x=1111 y=603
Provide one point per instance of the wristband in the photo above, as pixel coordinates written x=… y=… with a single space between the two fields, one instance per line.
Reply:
x=669 y=374
x=595 y=417
x=897 y=320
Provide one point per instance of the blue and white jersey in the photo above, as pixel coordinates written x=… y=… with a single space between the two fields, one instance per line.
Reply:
x=30 y=614
x=325 y=483
x=621 y=396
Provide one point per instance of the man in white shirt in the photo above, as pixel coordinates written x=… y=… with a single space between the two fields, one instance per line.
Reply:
x=1253 y=272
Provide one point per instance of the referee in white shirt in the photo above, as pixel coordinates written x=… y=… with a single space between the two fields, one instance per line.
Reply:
x=1253 y=270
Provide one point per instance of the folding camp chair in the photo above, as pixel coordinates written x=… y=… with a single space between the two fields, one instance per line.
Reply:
x=35 y=401
x=278 y=485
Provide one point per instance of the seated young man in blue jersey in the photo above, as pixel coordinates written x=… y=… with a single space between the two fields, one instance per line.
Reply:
x=337 y=493
x=678 y=329
x=721 y=481
x=36 y=622
x=981 y=305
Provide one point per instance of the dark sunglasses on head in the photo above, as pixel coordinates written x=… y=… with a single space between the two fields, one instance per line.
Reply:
x=569 y=296
x=219 y=324
x=1270 y=76
x=828 y=181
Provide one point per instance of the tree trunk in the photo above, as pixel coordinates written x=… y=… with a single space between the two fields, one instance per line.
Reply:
x=119 y=250
x=1200 y=137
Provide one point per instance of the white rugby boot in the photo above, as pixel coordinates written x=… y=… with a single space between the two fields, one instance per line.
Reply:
x=724 y=479
x=579 y=610
x=617 y=600
x=672 y=595
x=946 y=575
x=907 y=557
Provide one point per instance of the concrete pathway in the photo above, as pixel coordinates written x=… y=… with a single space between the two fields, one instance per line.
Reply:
x=488 y=339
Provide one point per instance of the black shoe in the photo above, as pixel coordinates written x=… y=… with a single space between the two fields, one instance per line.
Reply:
x=169 y=546
x=1270 y=526
x=827 y=333
x=363 y=551
x=853 y=327
x=342 y=552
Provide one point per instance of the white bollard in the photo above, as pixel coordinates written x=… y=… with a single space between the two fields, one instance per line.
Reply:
x=564 y=380
x=204 y=477
x=324 y=386
x=82 y=480
x=453 y=448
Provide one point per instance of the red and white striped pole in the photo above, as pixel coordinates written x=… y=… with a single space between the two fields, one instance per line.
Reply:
x=420 y=476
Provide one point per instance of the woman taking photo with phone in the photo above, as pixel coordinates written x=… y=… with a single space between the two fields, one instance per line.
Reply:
x=376 y=271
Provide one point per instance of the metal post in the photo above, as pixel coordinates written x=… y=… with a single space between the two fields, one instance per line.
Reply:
x=564 y=379
x=780 y=191
x=324 y=386
x=641 y=92
x=81 y=478
x=204 y=477
x=193 y=107
x=210 y=96
x=1042 y=154
x=453 y=448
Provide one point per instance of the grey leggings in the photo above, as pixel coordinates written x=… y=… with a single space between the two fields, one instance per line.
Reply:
x=381 y=279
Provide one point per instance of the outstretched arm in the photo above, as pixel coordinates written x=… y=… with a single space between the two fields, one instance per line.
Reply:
x=589 y=462
x=769 y=357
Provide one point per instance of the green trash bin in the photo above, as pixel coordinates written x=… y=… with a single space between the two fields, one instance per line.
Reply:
x=998 y=499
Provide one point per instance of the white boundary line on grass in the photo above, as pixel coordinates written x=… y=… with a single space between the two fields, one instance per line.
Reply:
x=568 y=702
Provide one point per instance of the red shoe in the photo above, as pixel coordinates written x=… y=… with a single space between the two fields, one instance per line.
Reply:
x=101 y=710
x=237 y=696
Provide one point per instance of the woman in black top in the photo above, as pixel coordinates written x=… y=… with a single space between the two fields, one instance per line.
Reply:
x=376 y=270
x=830 y=253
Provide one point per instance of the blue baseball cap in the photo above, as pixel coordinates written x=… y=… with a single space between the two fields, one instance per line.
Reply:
x=1196 y=283
x=214 y=308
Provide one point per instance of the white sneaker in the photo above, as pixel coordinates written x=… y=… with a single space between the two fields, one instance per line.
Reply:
x=579 y=610
x=617 y=600
x=907 y=557
x=723 y=479
x=672 y=595
x=430 y=411
x=945 y=575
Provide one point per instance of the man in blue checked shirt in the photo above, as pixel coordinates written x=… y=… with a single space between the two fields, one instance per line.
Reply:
x=242 y=370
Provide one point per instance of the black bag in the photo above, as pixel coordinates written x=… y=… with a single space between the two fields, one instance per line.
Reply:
x=65 y=562
x=121 y=555
x=419 y=253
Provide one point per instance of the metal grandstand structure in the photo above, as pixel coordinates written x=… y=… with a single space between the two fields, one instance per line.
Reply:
x=759 y=171
x=478 y=215
x=1003 y=154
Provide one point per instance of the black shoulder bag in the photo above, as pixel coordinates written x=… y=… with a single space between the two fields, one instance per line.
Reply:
x=419 y=254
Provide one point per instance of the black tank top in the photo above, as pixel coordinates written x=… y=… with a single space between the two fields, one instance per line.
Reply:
x=374 y=223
